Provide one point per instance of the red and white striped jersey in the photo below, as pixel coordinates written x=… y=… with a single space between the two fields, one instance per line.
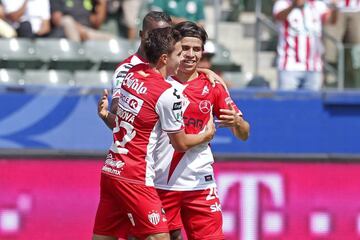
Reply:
x=300 y=46
x=349 y=5
x=191 y=170
x=121 y=71
x=148 y=105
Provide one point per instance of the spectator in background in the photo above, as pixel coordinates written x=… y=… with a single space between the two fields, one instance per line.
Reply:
x=346 y=29
x=300 y=46
x=206 y=61
x=30 y=18
x=6 y=30
x=207 y=56
x=131 y=10
x=181 y=10
x=79 y=19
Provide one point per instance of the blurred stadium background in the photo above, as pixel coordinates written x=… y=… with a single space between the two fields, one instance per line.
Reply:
x=296 y=177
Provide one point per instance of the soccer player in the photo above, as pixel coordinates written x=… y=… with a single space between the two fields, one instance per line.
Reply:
x=185 y=180
x=151 y=21
x=148 y=106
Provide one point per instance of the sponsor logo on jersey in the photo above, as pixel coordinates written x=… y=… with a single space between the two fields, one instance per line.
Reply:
x=196 y=123
x=110 y=161
x=154 y=217
x=163 y=215
x=134 y=84
x=175 y=93
x=215 y=207
x=110 y=170
x=205 y=106
x=178 y=115
x=205 y=91
x=130 y=102
x=208 y=178
x=131 y=218
x=125 y=115
x=177 y=106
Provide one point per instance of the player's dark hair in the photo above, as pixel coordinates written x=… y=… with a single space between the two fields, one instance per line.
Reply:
x=160 y=41
x=191 y=29
x=154 y=16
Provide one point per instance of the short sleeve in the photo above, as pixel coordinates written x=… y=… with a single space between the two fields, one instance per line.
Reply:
x=322 y=8
x=120 y=74
x=222 y=99
x=279 y=6
x=118 y=78
x=46 y=13
x=170 y=110
x=12 y=5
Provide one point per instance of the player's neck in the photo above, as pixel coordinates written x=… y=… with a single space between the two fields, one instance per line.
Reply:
x=141 y=53
x=186 y=76
x=159 y=68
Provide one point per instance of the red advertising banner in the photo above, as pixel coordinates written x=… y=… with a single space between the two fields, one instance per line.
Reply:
x=57 y=199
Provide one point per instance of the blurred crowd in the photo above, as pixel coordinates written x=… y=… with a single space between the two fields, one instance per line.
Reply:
x=301 y=46
x=80 y=20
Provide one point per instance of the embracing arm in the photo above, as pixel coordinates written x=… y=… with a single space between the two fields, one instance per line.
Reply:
x=182 y=141
x=213 y=77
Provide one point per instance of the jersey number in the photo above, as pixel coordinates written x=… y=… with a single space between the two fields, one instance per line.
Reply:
x=212 y=194
x=128 y=136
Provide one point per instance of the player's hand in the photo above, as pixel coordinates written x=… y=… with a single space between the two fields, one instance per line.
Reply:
x=210 y=128
x=213 y=77
x=229 y=117
x=103 y=104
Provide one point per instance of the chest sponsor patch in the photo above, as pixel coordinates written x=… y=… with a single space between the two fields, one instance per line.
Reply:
x=131 y=82
x=130 y=102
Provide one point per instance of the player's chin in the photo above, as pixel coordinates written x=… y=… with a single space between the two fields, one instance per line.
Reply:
x=188 y=69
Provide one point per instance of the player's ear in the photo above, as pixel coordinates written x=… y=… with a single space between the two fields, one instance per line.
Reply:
x=141 y=34
x=163 y=59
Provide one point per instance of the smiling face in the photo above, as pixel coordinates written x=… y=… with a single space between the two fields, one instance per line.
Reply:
x=192 y=49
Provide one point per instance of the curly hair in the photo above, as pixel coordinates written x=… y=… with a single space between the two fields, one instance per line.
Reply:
x=154 y=16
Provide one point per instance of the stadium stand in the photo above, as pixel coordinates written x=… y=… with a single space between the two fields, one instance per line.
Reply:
x=95 y=79
x=105 y=55
x=222 y=59
x=48 y=78
x=10 y=77
x=18 y=53
x=235 y=79
x=61 y=54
